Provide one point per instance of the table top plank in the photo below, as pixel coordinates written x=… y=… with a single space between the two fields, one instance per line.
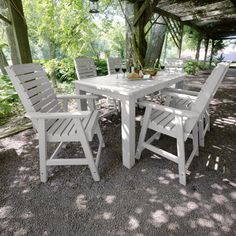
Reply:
x=123 y=86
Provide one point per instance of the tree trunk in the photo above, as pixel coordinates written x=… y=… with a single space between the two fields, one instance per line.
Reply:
x=20 y=31
x=52 y=56
x=156 y=42
x=129 y=11
x=3 y=62
x=212 y=51
x=198 y=49
x=12 y=44
x=206 y=49
x=165 y=48
x=10 y=34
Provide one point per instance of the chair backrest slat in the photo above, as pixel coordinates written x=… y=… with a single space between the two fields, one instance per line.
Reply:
x=111 y=63
x=33 y=87
x=208 y=91
x=85 y=68
x=174 y=64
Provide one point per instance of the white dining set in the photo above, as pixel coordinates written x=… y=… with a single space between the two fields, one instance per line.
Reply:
x=184 y=115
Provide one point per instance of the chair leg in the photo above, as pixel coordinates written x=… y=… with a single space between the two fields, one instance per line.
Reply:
x=201 y=131
x=195 y=140
x=119 y=105
x=143 y=132
x=208 y=119
x=181 y=160
x=115 y=106
x=43 y=159
x=99 y=134
x=88 y=152
x=89 y=157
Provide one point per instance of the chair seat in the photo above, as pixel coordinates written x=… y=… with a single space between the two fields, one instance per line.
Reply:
x=182 y=103
x=164 y=122
x=64 y=129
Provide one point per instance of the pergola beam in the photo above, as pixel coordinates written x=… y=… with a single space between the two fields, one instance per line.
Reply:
x=141 y=11
x=234 y=2
x=5 y=19
x=177 y=18
x=203 y=15
x=20 y=31
x=208 y=15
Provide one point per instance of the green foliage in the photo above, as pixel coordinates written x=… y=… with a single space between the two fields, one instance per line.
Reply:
x=63 y=68
x=8 y=98
x=191 y=67
x=59 y=29
x=101 y=67
x=191 y=38
x=203 y=66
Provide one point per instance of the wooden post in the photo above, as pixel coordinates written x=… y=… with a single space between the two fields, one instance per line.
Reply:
x=206 y=48
x=155 y=44
x=212 y=51
x=165 y=47
x=198 y=49
x=20 y=30
x=180 y=38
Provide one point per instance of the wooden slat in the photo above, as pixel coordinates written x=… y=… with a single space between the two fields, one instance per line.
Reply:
x=68 y=129
x=52 y=130
x=37 y=90
x=63 y=126
x=112 y=62
x=161 y=117
x=167 y=120
x=38 y=106
x=85 y=68
x=34 y=83
x=42 y=95
x=50 y=106
x=27 y=77
x=27 y=68
x=155 y=114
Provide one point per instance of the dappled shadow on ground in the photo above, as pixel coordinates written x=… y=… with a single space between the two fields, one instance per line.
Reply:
x=145 y=200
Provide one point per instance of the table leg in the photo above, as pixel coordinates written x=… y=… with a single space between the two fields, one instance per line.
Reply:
x=128 y=132
x=82 y=104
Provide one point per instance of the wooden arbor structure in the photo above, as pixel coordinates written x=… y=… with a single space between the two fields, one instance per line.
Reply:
x=13 y=19
x=213 y=19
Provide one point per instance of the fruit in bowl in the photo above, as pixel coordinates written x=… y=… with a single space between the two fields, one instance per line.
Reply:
x=134 y=76
x=150 y=71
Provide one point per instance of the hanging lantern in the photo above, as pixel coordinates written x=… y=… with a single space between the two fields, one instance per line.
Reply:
x=190 y=34
x=93 y=6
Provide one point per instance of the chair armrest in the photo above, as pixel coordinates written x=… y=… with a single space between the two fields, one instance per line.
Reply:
x=172 y=110
x=57 y=115
x=179 y=91
x=178 y=95
x=67 y=97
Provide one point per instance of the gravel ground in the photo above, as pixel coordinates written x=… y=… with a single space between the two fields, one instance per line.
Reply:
x=146 y=200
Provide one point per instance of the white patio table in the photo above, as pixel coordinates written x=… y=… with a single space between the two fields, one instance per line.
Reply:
x=127 y=92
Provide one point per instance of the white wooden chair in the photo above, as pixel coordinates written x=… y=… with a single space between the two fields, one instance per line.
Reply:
x=179 y=124
x=111 y=63
x=174 y=64
x=183 y=99
x=85 y=68
x=51 y=122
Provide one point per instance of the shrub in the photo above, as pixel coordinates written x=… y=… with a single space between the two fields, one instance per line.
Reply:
x=8 y=98
x=101 y=67
x=191 y=67
x=64 y=69
x=203 y=66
